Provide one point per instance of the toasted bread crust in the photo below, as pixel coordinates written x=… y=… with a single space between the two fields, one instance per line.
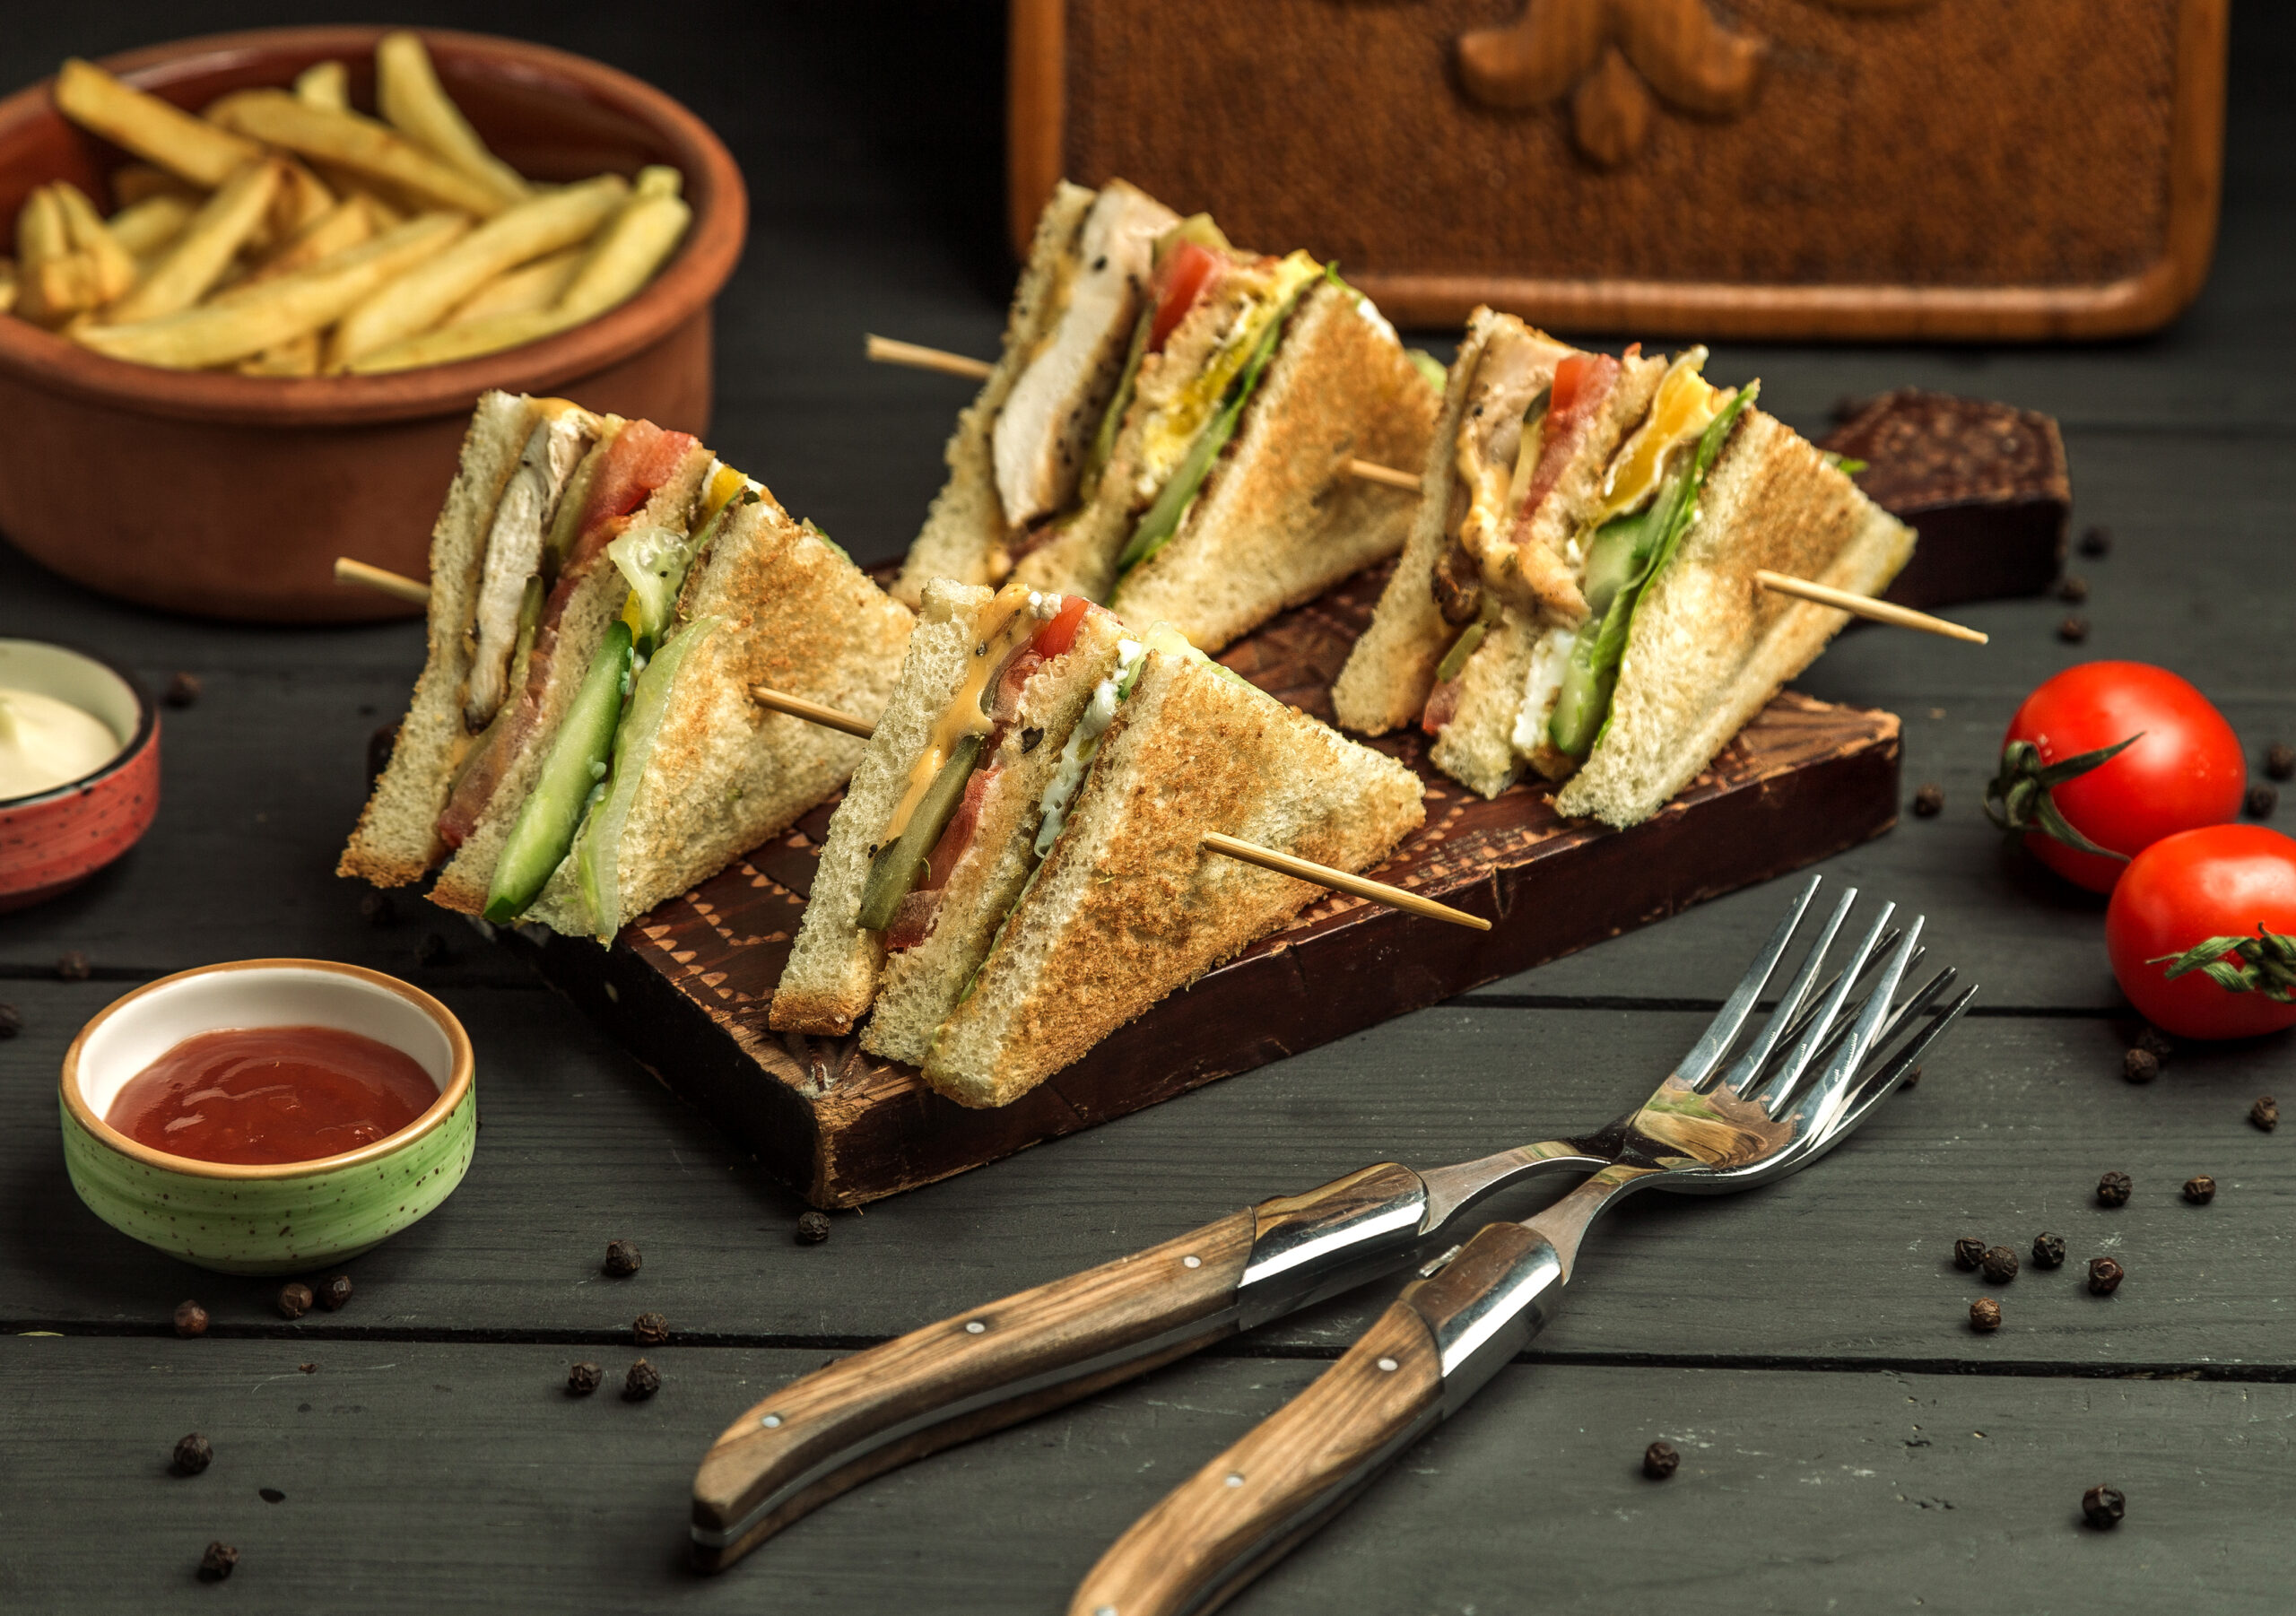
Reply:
x=1128 y=906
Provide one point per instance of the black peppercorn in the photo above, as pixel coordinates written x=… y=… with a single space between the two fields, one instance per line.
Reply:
x=812 y=1227
x=2280 y=760
x=2000 y=1265
x=2112 y=1189
x=649 y=1329
x=378 y=909
x=271 y=1495
x=2139 y=1065
x=334 y=1291
x=432 y=949
x=621 y=1258
x=216 y=1564
x=1985 y=1316
x=194 y=1454
x=1659 y=1461
x=2072 y=590
x=2074 y=630
x=295 y=1299
x=73 y=966
x=2155 y=1043
x=191 y=1319
x=308 y=1369
x=1969 y=1251
x=2103 y=1506
x=2097 y=541
x=11 y=1020
x=583 y=1379
x=1910 y=1078
x=183 y=689
x=2264 y=1113
x=1929 y=802
x=2260 y=802
x=2049 y=1251
x=642 y=1382
x=2200 y=1189
x=2105 y=1276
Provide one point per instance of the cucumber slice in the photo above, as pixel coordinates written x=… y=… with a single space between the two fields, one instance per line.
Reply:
x=546 y=825
x=895 y=872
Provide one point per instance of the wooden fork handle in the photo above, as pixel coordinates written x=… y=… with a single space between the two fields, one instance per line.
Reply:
x=974 y=1373
x=1241 y=1513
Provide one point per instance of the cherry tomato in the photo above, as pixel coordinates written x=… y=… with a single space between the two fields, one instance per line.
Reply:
x=1186 y=274
x=2223 y=881
x=2185 y=771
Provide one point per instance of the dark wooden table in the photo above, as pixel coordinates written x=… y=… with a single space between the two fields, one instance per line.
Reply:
x=1847 y=1442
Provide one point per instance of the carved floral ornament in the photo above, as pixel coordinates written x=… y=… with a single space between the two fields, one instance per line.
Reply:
x=1609 y=56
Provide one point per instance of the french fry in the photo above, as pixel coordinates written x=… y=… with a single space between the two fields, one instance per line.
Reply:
x=468 y=339
x=297 y=356
x=387 y=215
x=408 y=92
x=346 y=224
x=522 y=291
x=325 y=84
x=657 y=179
x=416 y=302
x=250 y=319
x=153 y=129
x=629 y=251
x=41 y=231
x=206 y=249
x=145 y=227
x=7 y=284
x=55 y=289
x=302 y=199
x=360 y=144
x=134 y=182
x=114 y=264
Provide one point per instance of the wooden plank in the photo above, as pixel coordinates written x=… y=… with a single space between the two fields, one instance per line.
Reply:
x=411 y=1474
x=688 y=987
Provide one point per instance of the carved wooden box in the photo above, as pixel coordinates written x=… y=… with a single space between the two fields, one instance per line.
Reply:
x=1945 y=168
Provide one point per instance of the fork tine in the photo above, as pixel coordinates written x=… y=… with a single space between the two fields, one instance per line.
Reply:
x=1823 y=1098
x=1745 y=1076
x=1898 y=1018
x=1802 y=1022
x=1722 y=1031
x=1776 y=1091
x=1879 y=1086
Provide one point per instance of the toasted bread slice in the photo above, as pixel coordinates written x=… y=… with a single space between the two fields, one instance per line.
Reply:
x=922 y=985
x=397 y=840
x=1710 y=646
x=1128 y=906
x=595 y=602
x=833 y=972
x=1278 y=520
x=782 y=608
x=965 y=536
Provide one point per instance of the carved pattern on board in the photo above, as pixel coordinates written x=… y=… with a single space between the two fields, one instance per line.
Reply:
x=1610 y=56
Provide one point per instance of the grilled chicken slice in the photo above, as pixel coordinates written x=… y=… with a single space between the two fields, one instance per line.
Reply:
x=514 y=554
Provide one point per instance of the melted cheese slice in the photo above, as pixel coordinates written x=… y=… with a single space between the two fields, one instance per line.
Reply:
x=1005 y=625
x=1173 y=428
x=1685 y=406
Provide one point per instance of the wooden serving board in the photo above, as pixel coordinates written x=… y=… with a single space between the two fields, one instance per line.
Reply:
x=687 y=987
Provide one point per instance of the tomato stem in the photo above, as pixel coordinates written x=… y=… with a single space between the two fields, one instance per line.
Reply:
x=2265 y=963
x=2018 y=799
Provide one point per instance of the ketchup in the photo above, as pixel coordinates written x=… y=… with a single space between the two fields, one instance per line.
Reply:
x=260 y=1096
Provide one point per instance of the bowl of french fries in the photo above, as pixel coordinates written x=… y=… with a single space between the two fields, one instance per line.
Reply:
x=254 y=282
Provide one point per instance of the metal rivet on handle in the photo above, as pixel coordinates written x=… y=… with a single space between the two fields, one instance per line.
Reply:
x=1105 y=1610
x=975 y=1328
x=1387 y=1364
x=1235 y=1478
x=771 y=1421
x=1188 y=1262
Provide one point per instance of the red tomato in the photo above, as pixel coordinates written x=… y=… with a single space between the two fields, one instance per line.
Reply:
x=2187 y=772
x=640 y=459
x=1055 y=636
x=1186 y=274
x=2220 y=881
x=1569 y=376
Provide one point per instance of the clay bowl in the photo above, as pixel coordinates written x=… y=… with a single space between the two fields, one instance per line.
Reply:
x=298 y=1215
x=53 y=840
x=231 y=496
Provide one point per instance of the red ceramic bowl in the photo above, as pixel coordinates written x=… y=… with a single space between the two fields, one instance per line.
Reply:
x=52 y=841
x=231 y=496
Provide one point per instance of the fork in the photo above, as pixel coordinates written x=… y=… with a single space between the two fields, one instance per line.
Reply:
x=1475 y=1305
x=987 y=1369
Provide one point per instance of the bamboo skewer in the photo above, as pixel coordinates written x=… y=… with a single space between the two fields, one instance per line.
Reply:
x=1865 y=606
x=1251 y=853
x=1371 y=471
x=397 y=584
x=886 y=351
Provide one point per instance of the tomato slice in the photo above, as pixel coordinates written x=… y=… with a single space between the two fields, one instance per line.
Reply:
x=641 y=458
x=1569 y=376
x=958 y=837
x=1187 y=273
x=1056 y=636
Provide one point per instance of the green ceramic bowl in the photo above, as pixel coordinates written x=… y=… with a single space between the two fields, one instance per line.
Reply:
x=288 y=1219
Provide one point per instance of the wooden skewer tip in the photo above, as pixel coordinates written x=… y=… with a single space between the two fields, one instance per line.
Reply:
x=382 y=580
x=916 y=356
x=1371 y=471
x=1340 y=881
x=1866 y=606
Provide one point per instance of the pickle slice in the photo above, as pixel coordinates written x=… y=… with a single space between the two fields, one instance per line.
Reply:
x=896 y=869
